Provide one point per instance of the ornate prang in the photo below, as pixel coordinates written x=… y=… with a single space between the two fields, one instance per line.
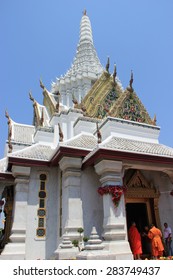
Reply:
x=61 y=136
x=99 y=136
x=10 y=147
x=114 y=73
x=74 y=100
x=41 y=85
x=107 y=65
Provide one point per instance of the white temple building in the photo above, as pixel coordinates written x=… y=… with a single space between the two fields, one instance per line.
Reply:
x=90 y=164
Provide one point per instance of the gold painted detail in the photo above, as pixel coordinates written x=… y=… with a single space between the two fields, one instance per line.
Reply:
x=101 y=98
x=139 y=187
x=129 y=107
x=41 y=230
x=38 y=115
x=10 y=147
x=107 y=98
x=61 y=135
x=8 y=194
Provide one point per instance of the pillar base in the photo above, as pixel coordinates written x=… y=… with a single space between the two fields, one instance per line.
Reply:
x=15 y=249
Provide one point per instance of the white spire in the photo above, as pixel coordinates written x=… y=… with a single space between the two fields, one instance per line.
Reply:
x=85 y=30
x=84 y=71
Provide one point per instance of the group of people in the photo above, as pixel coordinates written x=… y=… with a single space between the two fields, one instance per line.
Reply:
x=153 y=236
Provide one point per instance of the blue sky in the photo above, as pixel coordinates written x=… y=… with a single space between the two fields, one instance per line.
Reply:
x=39 y=40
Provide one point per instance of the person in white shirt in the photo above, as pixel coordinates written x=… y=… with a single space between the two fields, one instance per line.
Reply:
x=168 y=239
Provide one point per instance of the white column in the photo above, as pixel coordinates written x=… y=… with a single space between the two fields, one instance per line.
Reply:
x=71 y=196
x=16 y=248
x=114 y=221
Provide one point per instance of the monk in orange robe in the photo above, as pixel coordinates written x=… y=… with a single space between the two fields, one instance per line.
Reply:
x=135 y=241
x=156 y=242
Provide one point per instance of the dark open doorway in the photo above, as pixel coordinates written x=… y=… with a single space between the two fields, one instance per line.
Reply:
x=137 y=212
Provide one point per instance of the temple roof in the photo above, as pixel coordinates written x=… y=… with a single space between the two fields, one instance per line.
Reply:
x=134 y=146
x=83 y=140
x=35 y=152
x=118 y=144
x=22 y=133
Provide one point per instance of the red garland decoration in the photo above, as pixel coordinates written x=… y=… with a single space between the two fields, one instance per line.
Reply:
x=115 y=191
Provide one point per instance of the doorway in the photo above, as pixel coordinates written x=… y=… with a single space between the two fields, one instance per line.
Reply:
x=140 y=213
x=137 y=212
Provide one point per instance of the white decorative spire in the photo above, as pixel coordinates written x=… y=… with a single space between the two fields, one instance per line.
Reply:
x=85 y=30
x=84 y=71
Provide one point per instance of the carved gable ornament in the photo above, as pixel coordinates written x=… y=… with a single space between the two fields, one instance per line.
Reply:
x=138 y=186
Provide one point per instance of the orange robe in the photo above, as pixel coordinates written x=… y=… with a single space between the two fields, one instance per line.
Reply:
x=156 y=243
x=135 y=240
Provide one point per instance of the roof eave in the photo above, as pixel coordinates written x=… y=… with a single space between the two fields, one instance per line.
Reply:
x=108 y=154
x=26 y=162
x=69 y=152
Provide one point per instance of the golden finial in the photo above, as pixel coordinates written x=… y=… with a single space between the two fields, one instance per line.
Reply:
x=57 y=106
x=74 y=100
x=131 y=80
x=84 y=12
x=114 y=73
x=108 y=64
x=130 y=88
x=99 y=136
x=30 y=96
x=10 y=147
x=61 y=136
x=41 y=84
x=7 y=115
x=154 y=120
x=42 y=118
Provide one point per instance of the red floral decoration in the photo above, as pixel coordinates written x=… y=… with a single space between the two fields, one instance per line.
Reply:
x=115 y=191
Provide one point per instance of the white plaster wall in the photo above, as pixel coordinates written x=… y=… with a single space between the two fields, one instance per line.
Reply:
x=92 y=202
x=43 y=136
x=42 y=248
x=129 y=130
x=165 y=200
x=84 y=126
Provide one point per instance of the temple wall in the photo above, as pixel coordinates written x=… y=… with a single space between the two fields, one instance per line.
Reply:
x=91 y=201
x=43 y=246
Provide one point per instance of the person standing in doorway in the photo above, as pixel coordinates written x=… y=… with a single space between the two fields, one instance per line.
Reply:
x=146 y=242
x=168 y=240
x=156 y=242
x=135 y=241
